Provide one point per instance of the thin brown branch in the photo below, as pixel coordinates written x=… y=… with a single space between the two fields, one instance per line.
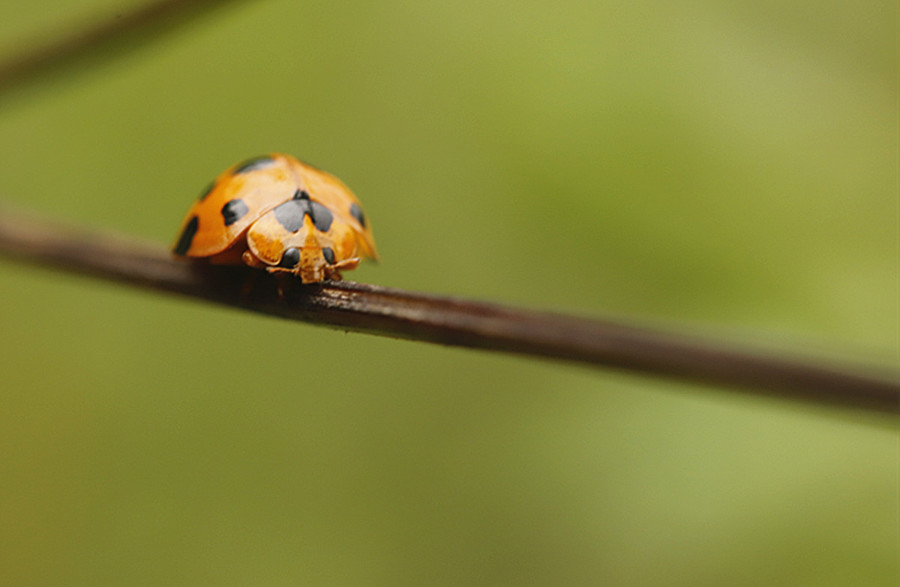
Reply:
x=444 y=320
x=105 y=39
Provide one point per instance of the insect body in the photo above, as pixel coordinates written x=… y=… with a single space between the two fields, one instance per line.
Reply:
x=278 y=213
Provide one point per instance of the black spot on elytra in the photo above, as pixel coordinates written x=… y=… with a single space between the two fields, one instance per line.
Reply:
x=253 y=164
x=207 y=190
x=357 y=213
x=290 y=258
x=187 y=236
x=290 y=214
x=321 y=216
x=234 y=210
x=328 y=253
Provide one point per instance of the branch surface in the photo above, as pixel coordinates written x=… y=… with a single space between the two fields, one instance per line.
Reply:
x=446 y=320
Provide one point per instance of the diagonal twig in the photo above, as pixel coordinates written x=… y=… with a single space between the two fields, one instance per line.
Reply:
x=446 y=320
x=105 y=38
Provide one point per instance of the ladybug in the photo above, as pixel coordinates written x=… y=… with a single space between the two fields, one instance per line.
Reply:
x=278 y=213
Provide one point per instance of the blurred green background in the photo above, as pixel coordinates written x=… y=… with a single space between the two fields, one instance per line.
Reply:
x=720 y=167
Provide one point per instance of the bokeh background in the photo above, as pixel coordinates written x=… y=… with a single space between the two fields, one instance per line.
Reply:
x=717 y=167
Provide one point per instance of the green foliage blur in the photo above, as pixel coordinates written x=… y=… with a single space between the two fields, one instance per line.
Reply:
x=718 y=167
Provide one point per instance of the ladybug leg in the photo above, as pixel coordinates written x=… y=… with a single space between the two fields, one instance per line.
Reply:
x=251 y=261
x=333 y=272
x=347 y=264
x=283 y=279
x=279 y=272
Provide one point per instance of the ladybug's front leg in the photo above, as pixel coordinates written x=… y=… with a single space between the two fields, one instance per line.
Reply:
x=282 y=274
x=332 y=272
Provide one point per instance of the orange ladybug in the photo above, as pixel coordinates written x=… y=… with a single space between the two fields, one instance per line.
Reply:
x=278 y=213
